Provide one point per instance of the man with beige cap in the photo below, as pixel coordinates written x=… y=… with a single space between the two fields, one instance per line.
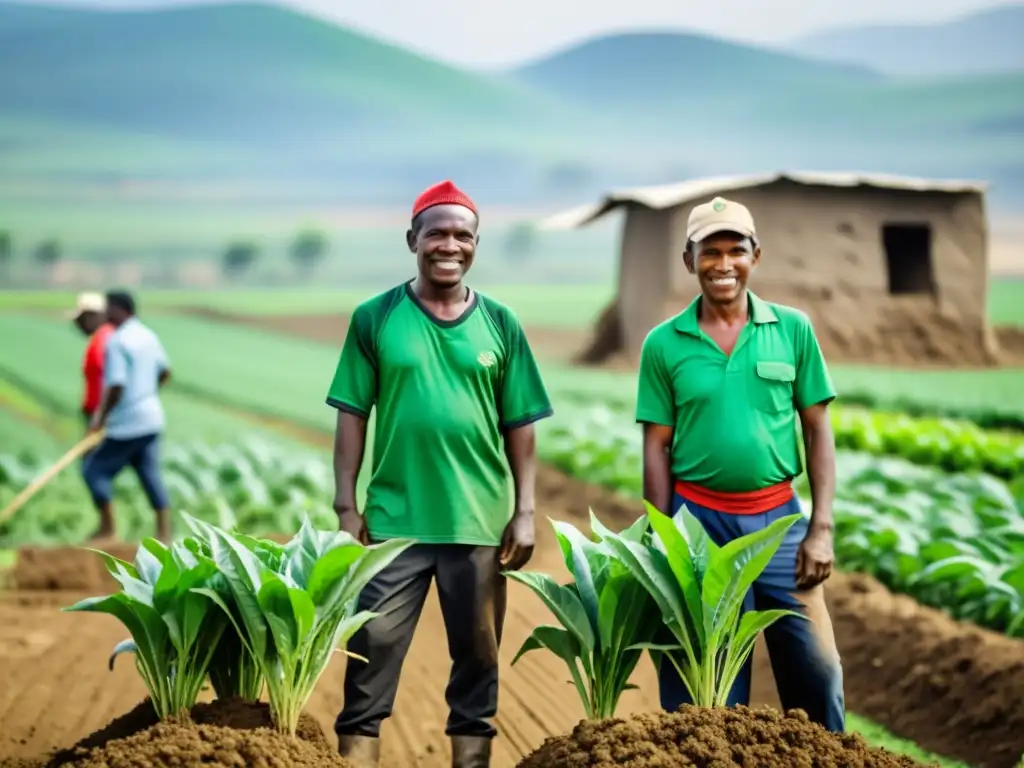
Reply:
x=90 y=317
x=721 y=388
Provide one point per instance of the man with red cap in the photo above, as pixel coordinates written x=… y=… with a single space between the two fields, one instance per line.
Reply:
x=457 y=391
x=90 y=317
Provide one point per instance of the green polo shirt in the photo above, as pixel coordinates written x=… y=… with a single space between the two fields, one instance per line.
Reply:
x=446 y=392
x=735 y=417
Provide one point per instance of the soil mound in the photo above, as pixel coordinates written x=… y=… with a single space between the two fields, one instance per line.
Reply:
x=952 y=687
x=719 y=737
x=68 y=568
x=225 y=733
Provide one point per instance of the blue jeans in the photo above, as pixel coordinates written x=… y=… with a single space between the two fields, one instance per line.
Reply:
x=111 y=456
x=803 y=652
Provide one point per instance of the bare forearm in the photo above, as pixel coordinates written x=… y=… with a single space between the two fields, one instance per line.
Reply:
x=658 y=468
x=820 y=449
x=111 y=397
x=521 y=450
x=349 y=447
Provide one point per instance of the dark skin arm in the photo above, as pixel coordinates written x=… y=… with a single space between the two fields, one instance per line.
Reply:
x=815 y=557
x=518 y=540
x=349 y=447
x=658 y=466
x=111 y=397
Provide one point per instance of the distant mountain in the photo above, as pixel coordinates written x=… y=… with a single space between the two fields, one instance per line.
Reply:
x=301 y=92
x=981 y=43
x=697 y=88
x=256 y=94
x=667 y=69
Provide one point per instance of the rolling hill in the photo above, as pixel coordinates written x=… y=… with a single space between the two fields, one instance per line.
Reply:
x=639 y=68
x=252 y=93
x=991 y=41
x=261 y=88
x=761 y=103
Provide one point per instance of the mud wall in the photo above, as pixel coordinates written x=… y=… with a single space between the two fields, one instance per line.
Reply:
x=823 y=251
x=644 y=271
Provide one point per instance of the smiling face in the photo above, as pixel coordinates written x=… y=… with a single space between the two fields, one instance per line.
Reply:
x=723 y=263
x=444 y=239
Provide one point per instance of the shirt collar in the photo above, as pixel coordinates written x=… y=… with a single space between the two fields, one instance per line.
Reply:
x=760 y=312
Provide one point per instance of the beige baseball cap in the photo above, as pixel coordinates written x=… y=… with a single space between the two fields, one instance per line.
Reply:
x=87 y=302
x=719 y=215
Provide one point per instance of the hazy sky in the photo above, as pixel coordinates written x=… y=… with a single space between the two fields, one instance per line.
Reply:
x=496 y=32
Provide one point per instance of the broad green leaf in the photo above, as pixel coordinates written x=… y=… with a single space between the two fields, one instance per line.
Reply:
x=733 y=570
x=149 y=560
x=680 y=560
x=651 y=568
x=277 y=610
x=575 y=546
x=375 y=559
x=557 y=640
x=330 y=570
x=562 y=602
x=636 y=531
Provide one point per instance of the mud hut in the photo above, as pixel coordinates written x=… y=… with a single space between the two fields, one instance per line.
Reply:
x=890 y=269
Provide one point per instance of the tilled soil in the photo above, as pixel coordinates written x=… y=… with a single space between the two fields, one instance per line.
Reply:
x=719 y=737
x=953 y=689
x=224 y=734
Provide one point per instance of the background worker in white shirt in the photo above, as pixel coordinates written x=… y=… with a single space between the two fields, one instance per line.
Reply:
x=135 y=367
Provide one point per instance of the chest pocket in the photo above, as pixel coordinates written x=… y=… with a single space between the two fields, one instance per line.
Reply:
x=771 y=387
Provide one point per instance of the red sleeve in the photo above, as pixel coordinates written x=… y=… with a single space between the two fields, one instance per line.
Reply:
x=93 y=369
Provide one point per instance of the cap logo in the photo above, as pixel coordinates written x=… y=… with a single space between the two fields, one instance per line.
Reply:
x=718 y=206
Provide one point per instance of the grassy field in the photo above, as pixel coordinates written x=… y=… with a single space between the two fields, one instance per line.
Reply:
x=570 y=305
x=295 y=389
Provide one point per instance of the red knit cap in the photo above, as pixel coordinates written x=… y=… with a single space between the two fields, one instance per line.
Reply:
x=444 y=193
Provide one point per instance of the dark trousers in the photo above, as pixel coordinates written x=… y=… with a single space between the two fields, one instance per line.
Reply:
x=111 y=456
x=803 y=652
x=472 y=593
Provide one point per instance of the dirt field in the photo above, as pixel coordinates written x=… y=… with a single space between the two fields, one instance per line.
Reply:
x=953 y=689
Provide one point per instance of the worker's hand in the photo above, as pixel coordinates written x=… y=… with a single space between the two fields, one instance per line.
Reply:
x=352 y=523
x=518 y=540
x=814 y=558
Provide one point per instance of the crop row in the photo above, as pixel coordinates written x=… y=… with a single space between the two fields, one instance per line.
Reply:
x=955 y=446
x=953 y=541
x=255 y=487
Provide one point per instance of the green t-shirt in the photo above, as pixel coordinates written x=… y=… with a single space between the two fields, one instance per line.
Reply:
x=735 y=417
x=445 y=392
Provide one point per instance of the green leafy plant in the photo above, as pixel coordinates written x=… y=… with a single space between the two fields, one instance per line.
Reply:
x=174 y=627
x=699 y=588
x=604 y=614
x=296 y=603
